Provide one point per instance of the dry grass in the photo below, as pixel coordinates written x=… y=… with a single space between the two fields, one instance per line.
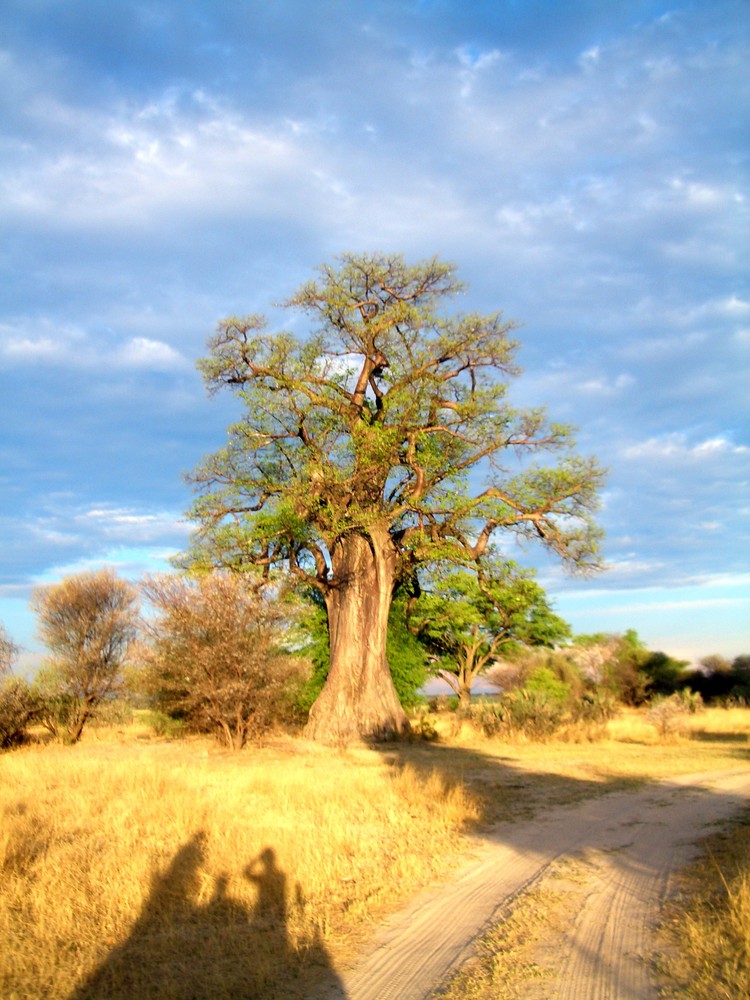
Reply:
x=707 y=929
x=135 y=867
x=173 y=870
x=720 y=724
x=511 y=962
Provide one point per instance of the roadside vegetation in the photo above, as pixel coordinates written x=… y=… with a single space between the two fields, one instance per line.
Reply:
x=706 y=929
x=132 y=864
x=162 y=816
x=140 y=867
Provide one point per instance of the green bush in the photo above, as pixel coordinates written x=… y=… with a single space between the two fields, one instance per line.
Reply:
x=165 y=725
x=544 y=708
x=545 y=684
x=114 y=712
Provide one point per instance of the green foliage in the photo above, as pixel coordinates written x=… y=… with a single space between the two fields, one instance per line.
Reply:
x=468 y=619
x=113 y=712
x=60 y=706
x=533 y=714
x=315 y=647
x=544 y=683
x=613 y=663
x=721 y=680
x=165 y=725
x=664 y=675
x=407 y=657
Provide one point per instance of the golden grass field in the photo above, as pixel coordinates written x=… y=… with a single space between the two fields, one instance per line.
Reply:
x=132 y=866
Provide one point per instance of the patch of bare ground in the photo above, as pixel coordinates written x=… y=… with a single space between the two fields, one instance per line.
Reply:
x=586 y=936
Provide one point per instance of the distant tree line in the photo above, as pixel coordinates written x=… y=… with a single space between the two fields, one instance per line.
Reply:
x=233 y=655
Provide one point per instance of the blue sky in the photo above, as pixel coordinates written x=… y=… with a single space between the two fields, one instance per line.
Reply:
x=585 y=164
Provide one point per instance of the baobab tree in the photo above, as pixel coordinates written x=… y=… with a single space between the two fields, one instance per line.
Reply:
x=380 y=442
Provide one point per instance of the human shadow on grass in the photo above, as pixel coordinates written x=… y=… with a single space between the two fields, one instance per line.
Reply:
x=181 y=948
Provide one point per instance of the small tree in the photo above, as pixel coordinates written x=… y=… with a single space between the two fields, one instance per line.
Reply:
x=720 y=678
x=468 y=619
x=18 y=704
x=664 y=674
x=19 y=707
x=215 y=656
x=88 y=622
x=613 y=663
x=8 y=651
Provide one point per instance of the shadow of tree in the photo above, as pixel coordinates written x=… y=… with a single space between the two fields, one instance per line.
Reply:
x=181 y=948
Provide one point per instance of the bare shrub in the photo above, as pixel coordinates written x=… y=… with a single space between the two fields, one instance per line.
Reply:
x=88 y=622
x=8 y=651
x=215 y=657
x=667 y=715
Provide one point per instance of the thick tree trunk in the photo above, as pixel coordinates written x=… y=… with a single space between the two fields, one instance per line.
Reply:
x=358 y=700
x=464 y=696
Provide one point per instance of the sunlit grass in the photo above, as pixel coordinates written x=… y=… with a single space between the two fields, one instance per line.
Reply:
x=140 y=866
x=708 y=928
x=88 y=830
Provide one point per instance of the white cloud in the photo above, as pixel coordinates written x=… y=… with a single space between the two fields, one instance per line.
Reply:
x=705 y=583
x=699 y=195
x=607 y=386
x=131 y=562
x=128 y=166
x=659 y=607
x=140 y=352
x=590 y=58
x=27 y=341
x=126 y=524
x=31 y=348
x=676 y=446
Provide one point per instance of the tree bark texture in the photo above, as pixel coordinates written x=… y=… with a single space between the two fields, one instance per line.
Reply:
x=358 y=700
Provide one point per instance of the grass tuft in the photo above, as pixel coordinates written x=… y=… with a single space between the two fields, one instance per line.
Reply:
x=707 y=928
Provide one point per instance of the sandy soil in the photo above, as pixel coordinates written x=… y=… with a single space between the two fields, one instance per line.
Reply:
x=624 y=847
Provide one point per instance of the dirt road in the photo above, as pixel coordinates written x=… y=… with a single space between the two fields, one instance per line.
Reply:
x=626 y=845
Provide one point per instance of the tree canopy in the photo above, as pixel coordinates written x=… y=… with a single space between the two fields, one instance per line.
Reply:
x=88 y=622
x=380 y=440
x=468 y=619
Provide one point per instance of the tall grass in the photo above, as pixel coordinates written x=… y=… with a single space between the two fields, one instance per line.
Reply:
x=133 y=867
x=174 y=871
x=708 y=927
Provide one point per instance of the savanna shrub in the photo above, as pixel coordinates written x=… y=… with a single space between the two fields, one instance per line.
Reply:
x=532 y=714
x=666 y=714
x=545 y=683
x=19 y=707
x=113 y=712
x=216 y=655
x=165 y=725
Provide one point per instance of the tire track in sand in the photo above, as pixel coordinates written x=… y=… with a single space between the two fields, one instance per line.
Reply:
x=631 y=842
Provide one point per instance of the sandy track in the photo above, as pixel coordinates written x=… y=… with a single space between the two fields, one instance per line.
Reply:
x=628 y=844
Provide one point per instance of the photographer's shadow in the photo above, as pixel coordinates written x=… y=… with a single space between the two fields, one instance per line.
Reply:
x=184 y=949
